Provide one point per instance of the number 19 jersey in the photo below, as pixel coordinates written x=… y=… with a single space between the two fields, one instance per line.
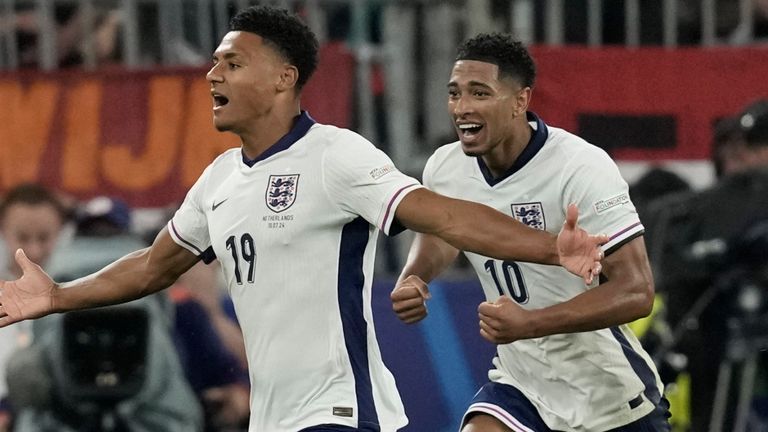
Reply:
x=295 y=232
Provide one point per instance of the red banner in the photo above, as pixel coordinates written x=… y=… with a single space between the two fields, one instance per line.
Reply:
x=693 y=86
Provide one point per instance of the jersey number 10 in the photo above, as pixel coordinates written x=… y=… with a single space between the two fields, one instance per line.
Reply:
x=513 y=287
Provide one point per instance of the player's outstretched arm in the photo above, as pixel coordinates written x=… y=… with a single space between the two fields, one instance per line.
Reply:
x=135 y=275
x=478 y=228
x=428 y=257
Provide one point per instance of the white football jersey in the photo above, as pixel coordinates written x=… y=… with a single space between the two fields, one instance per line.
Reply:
x=295 y=232
x=590 y=381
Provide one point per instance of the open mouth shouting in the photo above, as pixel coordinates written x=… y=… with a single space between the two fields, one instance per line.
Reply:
x=468 y=130
x=219 y=100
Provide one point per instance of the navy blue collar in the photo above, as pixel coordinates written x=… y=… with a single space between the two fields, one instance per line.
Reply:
x=538 y=138
x=301 y=126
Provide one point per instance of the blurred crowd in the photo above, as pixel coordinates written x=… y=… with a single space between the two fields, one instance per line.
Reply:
x=171 y=362
x=95 y=36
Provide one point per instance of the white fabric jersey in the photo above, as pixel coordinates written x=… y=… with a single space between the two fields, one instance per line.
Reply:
x=580 y=381
x=296 y=234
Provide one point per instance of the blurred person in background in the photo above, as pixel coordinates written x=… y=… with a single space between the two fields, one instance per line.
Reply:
x=738 y=145
x=32 y=219
x=208 y=340
x=655 y=183
x=298 y=265
x=704 y=260
x=658 y=187
x=211 y=348
x=566 y=360
x=728 y=155
x=54 y=391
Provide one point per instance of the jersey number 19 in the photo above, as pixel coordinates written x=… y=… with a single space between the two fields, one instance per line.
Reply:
x=248 y=253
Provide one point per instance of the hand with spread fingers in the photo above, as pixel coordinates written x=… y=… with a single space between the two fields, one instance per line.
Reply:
x=503 y=321
x=409 y=299
x=30 y=296
x=580 y=253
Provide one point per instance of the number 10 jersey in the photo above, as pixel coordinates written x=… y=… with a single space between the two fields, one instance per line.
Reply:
x=587 y=381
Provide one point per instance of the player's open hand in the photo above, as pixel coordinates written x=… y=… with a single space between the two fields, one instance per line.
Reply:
x=580 y=253
x=31 y=296
x=409 y=299
x=503 y=321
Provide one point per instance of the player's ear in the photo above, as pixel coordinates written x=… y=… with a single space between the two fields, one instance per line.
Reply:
x=288 y=77
x=522 y=100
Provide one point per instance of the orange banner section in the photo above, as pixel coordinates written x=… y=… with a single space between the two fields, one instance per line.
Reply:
x=144 y=137
x=693 y=86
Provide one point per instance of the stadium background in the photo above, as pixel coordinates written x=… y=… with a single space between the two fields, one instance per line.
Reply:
x=645 y=80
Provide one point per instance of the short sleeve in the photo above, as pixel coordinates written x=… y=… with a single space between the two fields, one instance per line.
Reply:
x=361 y=180
x=428 y=173
x=593 y=181
x=189 y=225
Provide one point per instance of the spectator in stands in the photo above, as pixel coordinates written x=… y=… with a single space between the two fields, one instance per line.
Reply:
x=208 y=340
x=728 y=147
x=655 y=183
x=162 y=399
x=735 y=151
x=652 y=194
x=31 y=218
x=211 y=348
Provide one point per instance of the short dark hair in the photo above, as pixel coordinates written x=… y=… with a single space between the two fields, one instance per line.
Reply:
x=285 y=32
x=503 y=50
x=31 y=194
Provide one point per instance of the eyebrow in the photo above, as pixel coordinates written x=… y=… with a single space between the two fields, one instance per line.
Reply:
x=225 y=56
x=470 y=84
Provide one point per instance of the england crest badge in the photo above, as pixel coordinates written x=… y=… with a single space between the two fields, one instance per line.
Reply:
x=281 y=192
x=531 y=214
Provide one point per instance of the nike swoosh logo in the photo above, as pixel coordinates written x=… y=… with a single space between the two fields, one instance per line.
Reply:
x=216 y=205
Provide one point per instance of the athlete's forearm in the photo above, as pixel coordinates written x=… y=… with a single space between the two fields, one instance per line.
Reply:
x=427 y=258
x=483 y=230
x=625 y=296
x=601 y=307
x=135 y=275
x=476 y=228
x=124 y=280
